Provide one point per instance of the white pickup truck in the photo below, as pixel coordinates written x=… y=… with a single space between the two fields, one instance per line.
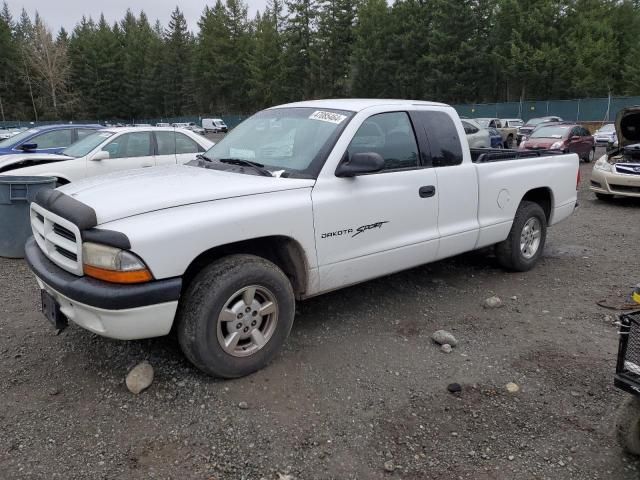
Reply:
x=298 y=200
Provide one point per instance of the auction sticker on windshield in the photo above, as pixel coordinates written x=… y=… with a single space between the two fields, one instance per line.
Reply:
x=330 y=117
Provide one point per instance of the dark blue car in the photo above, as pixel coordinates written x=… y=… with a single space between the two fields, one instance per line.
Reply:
x=46 y=139
x=496 y=138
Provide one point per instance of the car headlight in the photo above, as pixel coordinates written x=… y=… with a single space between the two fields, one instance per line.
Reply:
x=113 y=264
x=603 y=165
x=557 y=146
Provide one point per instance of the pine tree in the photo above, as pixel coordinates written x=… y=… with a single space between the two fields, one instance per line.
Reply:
x=177 y=55
x=300 y=55
x=335 y=41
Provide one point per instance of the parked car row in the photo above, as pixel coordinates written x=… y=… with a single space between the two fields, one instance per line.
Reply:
x=108 y=150
x=46 y=139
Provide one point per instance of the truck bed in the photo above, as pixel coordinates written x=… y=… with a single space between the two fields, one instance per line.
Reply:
x=486 y=155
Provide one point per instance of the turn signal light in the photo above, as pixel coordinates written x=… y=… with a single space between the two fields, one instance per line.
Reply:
x=113 y=276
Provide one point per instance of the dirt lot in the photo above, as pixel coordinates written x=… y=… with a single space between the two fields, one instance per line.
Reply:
x=359 y=384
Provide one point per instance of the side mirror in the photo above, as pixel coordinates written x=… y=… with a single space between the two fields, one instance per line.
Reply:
x=359 y=163
x=101 y=155
x=28 y=146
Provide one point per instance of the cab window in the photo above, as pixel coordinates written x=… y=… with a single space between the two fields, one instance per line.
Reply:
x=391 y=136
x=442 y=135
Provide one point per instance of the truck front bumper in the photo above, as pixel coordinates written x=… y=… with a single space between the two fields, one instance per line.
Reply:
x=124 y=312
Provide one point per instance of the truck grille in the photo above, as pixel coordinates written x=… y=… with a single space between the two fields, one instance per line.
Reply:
x=58 y=238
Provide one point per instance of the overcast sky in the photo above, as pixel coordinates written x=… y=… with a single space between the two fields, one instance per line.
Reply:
x=66 y=13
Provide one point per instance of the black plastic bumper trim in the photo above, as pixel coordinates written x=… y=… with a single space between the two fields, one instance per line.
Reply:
x=97 y=293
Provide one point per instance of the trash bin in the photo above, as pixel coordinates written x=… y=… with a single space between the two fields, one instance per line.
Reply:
x=16 y=194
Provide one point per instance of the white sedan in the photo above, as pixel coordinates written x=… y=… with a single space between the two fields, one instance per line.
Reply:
x=110 y=150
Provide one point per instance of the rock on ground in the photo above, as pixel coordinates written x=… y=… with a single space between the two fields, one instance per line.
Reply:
x=140 y=377
x=443 y=337
x=493 y=302
x=512 y=387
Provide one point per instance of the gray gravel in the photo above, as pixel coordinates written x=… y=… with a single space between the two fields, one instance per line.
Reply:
x=360 y=390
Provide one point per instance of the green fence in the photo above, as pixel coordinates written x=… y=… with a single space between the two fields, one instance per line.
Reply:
x=582 y=110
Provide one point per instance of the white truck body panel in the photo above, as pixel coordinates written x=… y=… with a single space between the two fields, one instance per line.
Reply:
x=348 y=229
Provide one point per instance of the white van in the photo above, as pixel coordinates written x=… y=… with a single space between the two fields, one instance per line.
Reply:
x=214 y=125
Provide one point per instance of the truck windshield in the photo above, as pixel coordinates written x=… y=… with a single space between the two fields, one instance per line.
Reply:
x=296 y=140
x=86 y=145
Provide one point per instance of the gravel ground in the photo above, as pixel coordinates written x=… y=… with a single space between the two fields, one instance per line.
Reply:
x=360 y=391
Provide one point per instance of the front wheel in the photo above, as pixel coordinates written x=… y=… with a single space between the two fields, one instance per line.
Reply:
x=628 y=425
x=523 y=247
x=235 y=316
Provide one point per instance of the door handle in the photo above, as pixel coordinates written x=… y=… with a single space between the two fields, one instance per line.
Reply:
x=427 y=191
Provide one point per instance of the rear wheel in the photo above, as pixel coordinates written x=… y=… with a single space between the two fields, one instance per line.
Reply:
x=235 y=316
x=523 y=247
x=590 y=156
x=509 y=143
x=628 y=425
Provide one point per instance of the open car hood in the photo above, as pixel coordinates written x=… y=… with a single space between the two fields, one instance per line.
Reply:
x=628 y=126
x=9 y=162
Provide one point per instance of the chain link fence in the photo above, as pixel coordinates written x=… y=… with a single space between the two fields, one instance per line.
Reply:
x=579 y=110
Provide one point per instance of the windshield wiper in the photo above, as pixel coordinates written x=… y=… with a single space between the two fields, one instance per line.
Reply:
x=200 y=156
x=258 y=167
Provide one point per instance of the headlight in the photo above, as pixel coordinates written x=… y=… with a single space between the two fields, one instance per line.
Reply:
x=557 y=146
x=113 y=264
x=603 y=165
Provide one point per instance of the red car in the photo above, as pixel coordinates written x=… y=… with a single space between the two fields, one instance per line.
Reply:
x=567 y=137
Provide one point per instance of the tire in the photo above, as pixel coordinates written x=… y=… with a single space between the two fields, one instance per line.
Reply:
x=221 y=291
x=509 y=143
x=604 y=197
x=628 y=425
x=511 y=253
x=590 y=156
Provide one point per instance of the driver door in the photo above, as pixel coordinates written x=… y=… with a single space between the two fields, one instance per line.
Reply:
x=374 y=224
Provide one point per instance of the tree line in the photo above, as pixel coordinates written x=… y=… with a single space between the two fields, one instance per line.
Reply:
x=454 y=51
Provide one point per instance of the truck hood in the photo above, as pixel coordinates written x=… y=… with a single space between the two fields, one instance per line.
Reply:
x=133 y=192
x=9 y=162
x=628 y=126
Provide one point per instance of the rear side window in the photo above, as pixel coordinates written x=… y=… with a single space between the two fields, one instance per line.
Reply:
x=186 y=145
x=470 y=129
x=166 y=143
x=444 y=142
x=53 y=139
